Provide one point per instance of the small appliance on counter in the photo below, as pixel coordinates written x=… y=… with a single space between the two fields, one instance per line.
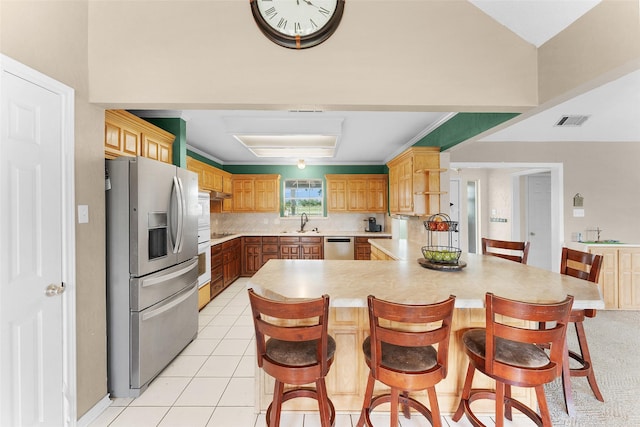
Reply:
x=373 y=227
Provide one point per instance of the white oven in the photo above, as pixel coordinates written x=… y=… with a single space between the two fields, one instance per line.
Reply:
x=204 y=236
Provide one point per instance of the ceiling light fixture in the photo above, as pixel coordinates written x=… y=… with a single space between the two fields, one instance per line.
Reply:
x=301 y=164
x=295 y=146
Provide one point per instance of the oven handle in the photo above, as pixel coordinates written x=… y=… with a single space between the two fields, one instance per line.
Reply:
x=151 y=281
x=168 y=306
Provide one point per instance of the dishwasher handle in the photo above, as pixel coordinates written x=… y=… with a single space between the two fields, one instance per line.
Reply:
x=338 y=239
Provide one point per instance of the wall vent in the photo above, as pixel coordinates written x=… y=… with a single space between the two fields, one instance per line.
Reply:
x=571 y=120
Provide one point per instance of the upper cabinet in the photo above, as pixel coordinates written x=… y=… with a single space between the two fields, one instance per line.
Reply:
x=128 y=135
x=357 y=193
x=256 y=193
x=210 y=178
x=414 y=182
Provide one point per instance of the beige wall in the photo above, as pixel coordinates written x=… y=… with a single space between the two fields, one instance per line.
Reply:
x=599 y=47
x=605 y=174
x=439 y=56
x=49 y=37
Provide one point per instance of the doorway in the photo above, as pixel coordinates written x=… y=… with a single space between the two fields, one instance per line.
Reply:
x=520 y=220
x=37 y=251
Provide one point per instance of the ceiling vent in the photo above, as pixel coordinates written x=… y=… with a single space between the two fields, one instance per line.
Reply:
x=571 y=120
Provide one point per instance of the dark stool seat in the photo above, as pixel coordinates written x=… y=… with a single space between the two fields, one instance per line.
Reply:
x=293 y=347
x=401 y=353
x=512 y=356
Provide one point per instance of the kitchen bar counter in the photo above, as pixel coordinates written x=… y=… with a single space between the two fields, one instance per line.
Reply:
x=348 y=283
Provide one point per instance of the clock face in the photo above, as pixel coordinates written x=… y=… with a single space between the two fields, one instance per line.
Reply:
x=297 y=23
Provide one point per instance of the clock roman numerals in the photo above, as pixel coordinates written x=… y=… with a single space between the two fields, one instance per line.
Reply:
x=271 y=12
x=297 y=23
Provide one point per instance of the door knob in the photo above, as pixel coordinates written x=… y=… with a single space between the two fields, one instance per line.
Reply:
x=54 y=289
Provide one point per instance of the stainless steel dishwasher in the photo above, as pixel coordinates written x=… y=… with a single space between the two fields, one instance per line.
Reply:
x=338 y=247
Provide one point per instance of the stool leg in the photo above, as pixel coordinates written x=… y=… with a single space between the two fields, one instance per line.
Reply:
x=395 y=398
x=406 y=410
x=466 y=392
x=323 y=406
x=499 y=404
x=367 y=400
x=276 y=405
x=435 y=409
x=566 y=382
x=507 y=406
x=586 y=356
x=542 y=406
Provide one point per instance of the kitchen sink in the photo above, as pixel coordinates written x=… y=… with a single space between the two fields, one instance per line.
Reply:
x=220 y=235
x=602 y=242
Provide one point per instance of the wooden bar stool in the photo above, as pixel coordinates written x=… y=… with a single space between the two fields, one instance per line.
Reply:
x=298 y=351
x=511 y=355
x=400 y=353
x=585 y=266
x=514 y=251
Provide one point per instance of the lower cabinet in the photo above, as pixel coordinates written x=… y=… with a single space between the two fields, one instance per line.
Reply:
x=231 y=259
x=378 y=255
x=306 y=247
x=251 y=255
x=619 y=279
x=217 y=283
x=363 y=247
x=225 y=265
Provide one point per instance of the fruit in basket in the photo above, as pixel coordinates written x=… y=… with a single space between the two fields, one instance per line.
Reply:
x=443 y=226
x=433 y=226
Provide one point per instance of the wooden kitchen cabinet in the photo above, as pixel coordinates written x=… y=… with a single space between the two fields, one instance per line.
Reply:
x=366 y=193
x=378 y=255
x=217 y=279
x=619 y=279
x=414 y=182
x=128 y=135
x=210 y=178
x=270 y=248
x=289 y=247
x=251 y=255
x=311 y=247
x=363 y=247
x=256 y=193
x=231 y=260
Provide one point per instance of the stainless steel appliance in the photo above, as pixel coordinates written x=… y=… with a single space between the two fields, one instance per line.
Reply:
x=204 y=240
x=339 y=247
x=152 y=269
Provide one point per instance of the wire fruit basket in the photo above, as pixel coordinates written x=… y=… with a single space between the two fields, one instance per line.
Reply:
x=438 y=253
x=441 y=254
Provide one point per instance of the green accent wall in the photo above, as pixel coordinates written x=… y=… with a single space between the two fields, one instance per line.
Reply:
x=461 y=127
x=177 y=127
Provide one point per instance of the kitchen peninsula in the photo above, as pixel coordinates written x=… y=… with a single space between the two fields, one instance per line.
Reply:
x=349 y=282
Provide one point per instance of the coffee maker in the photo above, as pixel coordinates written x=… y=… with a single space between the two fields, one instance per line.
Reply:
x=373 y=226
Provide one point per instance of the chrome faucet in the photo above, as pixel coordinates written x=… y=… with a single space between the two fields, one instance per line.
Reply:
x=304 y=219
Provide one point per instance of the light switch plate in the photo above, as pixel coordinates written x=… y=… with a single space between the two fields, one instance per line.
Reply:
x=578 y=213
x=83 y=214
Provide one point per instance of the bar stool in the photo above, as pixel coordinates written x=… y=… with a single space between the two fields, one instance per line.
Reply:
x=585 y=266
x=513 y=251
x=298 y=351
x=400 y=353
x=511 y=355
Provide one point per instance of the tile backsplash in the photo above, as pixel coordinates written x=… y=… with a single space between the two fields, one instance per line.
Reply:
x=270 y=222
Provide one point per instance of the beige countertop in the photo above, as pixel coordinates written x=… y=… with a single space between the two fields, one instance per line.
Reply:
x=298 y=234
x=348 y=283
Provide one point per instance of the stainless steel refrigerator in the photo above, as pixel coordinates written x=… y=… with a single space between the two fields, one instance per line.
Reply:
x=152 y=269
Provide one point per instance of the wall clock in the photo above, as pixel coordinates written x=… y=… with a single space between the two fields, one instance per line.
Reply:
x=297 y=24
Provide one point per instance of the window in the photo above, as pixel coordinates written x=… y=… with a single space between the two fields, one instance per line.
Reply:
x=303 y=196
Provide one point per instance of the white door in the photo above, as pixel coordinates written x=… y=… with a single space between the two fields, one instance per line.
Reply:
x=454 y=209
x=32 y=195
x=539 y=220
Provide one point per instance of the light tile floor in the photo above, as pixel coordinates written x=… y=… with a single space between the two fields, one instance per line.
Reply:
x=211 y=382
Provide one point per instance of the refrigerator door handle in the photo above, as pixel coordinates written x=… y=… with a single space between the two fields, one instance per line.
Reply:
x=177 y=196
x=169 y=305
x=181 y=215
x=152 y=281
